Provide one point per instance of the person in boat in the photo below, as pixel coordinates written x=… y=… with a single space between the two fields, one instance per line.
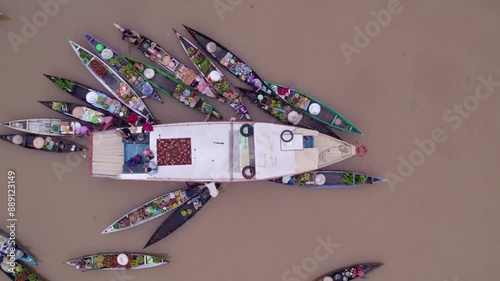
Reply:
x=133 y=120
x=209 y=110
x=84 y=130
x=80 y=263
x=126 y=134
x=151 y=168
x=106 y=121
x=148 y=153
x=132 y=36
x=133 y=161
x=283 y=92
x=147 y=127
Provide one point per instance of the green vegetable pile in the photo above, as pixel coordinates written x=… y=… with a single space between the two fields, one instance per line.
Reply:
x=348 y=179
x=64 y=84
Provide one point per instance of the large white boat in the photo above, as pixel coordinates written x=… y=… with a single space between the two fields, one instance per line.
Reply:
x=218 y=152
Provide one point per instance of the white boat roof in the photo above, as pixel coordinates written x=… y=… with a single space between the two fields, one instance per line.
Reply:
x=216 y=151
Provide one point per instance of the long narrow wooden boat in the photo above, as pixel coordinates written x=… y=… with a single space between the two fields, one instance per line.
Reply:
x=328 y=179
x=222 y=151
x=21 y=253
x=122 y=67
x=43 y=143
x=227 y=59
x=170 y=64
x=304 y=103
x=351 y=272
x=116 y=261
x=19 y=272
x=85 y=114
x=112 y=81
x=214 y=76
x=180 y=216
x=45 y=126
x=90 y=96
x=282 y=111
x=314 y=108
x=174 y=88
x=153 y=209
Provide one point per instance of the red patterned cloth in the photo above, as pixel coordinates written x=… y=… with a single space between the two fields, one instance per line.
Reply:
x=173 y=151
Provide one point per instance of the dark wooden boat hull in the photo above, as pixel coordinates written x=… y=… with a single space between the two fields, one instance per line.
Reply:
x=109 y=262
x=180 y=216
x=112 y=81
x=80 y=91
x=159 y=206
x=221 y=55
x=305 y=122
x=333 y=179
x=67 y=109
x=59 y=146
x=325 y=114
x=118 y=65
x=351 y=272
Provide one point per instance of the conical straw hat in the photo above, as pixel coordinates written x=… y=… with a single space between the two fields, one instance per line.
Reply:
x=122 y=259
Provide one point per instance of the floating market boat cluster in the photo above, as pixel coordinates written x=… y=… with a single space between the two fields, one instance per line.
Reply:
x=128 y=143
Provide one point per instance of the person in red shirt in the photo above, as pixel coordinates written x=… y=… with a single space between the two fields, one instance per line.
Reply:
x=147 y=127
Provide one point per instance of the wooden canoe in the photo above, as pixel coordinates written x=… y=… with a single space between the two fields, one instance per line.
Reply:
x=20 y=272
x=328 y=179
x=153 y=209
x=180 y=216
x=43 y=143
x=174 y=88
x=225 y=58
x=315 y=109
x=170 y=64
x=110 y=261
x=244 y=72
x=4 y=249
x=112 y=81
x=282 y=111
x=351 y=272
x=88 y=115
x=206 y=67
x=123 y=68
x=45 y=126
x=90 y=96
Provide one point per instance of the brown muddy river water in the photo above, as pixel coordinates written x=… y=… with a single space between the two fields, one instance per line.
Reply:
x=420 y=79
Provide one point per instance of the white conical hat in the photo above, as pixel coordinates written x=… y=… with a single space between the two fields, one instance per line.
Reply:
x=293 y=116
x=320 y=179
x=122 y=259
x=211 y=47
x=215 y=75
x=38 y=142
x=78 y=112
x=91 y=97
x=18 y=139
